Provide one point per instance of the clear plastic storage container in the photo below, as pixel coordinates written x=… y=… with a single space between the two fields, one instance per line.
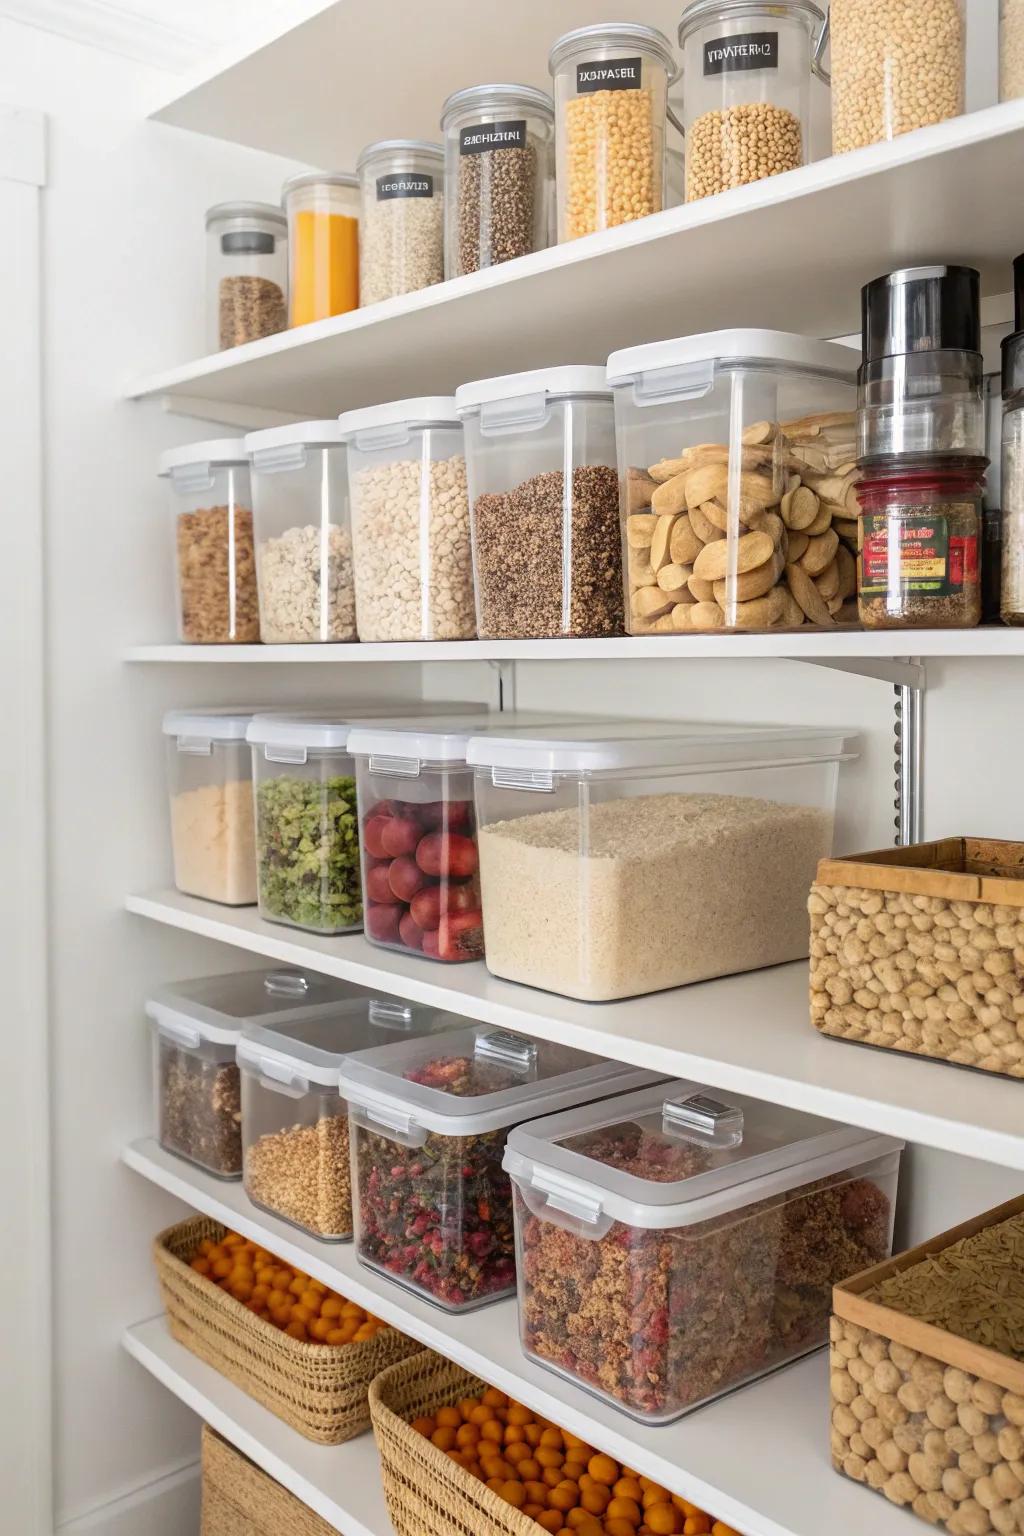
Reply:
x=1011 y=49
x=211 y=508
x=246 y=273
x=623 y=858
x=303 y=534
x=544 y=493
x=433 y=1207
x=295 y=1126
x=746 y=81
x=896 y=65
x=401 y=233
x=323 y=243
x=679 y=1241
x=738 y=462
x=1012 y=488
x=498 y=175
x=611 y=97
x=209 y=779
x=410 y=521
x=196 y=1027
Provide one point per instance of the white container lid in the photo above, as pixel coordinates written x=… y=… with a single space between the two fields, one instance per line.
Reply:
x=483 y=1079
x=301 y=434
x=584 y=380
x=728 y=1152
x=637 y=744
x=202 y=726
x=782 y=349
x=215 y=451
x=406 y=746
x=424 y=411
x=215 y=1008
x=312 y=1049
x=323 y=730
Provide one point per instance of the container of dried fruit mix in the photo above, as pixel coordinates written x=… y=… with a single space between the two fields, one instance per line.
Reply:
x=211 y=511
x=544 y=494
x=295 y=1122
x=672 y=1244
x=196 y=1027
x=433 y=1208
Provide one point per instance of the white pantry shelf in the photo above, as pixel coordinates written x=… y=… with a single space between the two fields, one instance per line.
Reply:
x=818 y=233
x=749 y=1034
x=757 y=1459
x=339 y=1482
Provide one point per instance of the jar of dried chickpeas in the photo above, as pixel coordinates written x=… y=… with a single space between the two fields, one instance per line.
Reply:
x=896 y=65
x=611 y=92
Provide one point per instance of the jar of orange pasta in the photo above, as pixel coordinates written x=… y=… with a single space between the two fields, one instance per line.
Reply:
x=323 y=244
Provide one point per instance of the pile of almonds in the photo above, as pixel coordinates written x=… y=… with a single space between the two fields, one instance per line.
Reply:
x=771 y=546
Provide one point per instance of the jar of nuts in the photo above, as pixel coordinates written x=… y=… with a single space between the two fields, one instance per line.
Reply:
x=737 y=461
x=211 y=506
x=746 y=90
x=896 y=65
x=611 y=91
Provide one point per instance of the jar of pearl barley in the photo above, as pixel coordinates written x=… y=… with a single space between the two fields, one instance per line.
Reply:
x=897 y=65
x=611 y=94
x=746 y=90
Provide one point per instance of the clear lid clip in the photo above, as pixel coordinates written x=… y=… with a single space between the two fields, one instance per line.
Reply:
x=511 y=1050
x=703 y=1120
x=389 y=1015
x=286 y=984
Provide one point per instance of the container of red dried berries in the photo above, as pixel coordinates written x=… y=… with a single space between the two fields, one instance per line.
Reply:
x=672 y=1245
x=428 y=1123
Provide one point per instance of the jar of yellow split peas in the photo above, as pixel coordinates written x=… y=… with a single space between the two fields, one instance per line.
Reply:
x=323 y=244
x=555 y=1478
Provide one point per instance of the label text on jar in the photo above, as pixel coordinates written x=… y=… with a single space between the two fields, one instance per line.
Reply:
x=747 y=50
x=609 y=75
x=404 y=186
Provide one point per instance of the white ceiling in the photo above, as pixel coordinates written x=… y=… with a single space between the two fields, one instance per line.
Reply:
x=177 y=35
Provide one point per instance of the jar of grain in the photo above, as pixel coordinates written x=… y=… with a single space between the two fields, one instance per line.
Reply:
x=498 y=174
x=746 y=90
x=737 y=465
x=303 y=536
x=323 y=241
x=1012 y=597
x=1011 y=49
x=246 y=273
x=410 y=521
x=611 y=94
x=920 y=536
x=544 y=489
x=401 y=238
x=209 y=780
x=896 y=65
x=211 y=507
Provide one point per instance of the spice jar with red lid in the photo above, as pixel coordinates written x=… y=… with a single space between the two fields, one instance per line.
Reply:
x=429 y=1121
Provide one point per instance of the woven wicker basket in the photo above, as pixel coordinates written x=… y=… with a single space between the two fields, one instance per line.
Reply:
x=427 y=1493
x=319 y=1389
x=241 y=1500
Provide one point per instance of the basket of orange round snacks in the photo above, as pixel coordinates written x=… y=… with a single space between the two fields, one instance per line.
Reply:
x=298 y=1348
x=459 y=1458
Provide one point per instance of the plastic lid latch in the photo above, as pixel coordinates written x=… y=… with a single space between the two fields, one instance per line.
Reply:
x=511 y=1050
x=703 y=1120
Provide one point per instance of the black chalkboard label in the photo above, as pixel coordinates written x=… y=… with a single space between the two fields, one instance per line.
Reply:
x=747 y=50
x=608 y=75
x=404 y=184
x=480 y=137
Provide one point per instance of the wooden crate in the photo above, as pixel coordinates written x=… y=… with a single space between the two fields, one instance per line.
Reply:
x=921 y=950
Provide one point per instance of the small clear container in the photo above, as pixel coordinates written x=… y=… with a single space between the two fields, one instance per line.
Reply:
x=215 y=560
x=746 y=83
x=323 y=244
x=196 y=1027
x=209 y=780
x=611 y=98
x=679 y=1241
x=623 y=858
x=410 y=521
x=401 y=231
x=1012 y=488
x=433 y=1207
x=896 y=66
x=498 y=175
x=738 y=469
x=303 y=534
x=1011 y=49
x=246 y=273
x=919 y=565
x=295 y=1124
x=544 y=492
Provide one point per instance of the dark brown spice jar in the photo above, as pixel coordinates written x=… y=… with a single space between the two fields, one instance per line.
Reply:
x=497 y=175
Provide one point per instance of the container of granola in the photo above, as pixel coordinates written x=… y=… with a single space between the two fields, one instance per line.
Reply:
x=303 y=537
x=215 y=561
x=433 y=1208
x=196 y=1027
x=673 y=1244
x=295 y=1133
